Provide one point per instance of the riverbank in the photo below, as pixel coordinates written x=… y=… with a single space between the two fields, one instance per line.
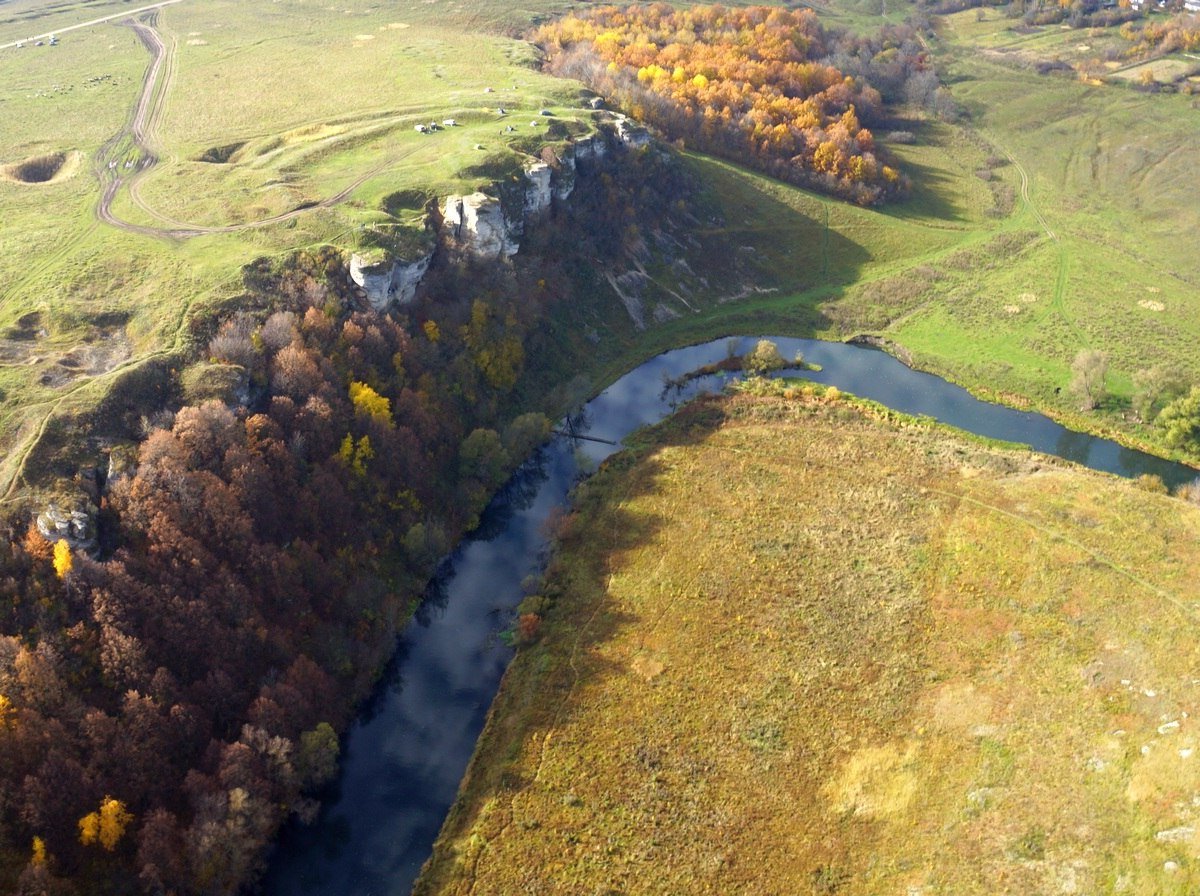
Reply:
x=782 y=637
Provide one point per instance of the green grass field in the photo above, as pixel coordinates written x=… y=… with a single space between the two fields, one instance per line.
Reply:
x=315 y=101
x=1112 y=267
x=795 y=647
x=1057 y=219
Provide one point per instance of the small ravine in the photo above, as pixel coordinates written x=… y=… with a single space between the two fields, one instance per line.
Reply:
x=404 y=758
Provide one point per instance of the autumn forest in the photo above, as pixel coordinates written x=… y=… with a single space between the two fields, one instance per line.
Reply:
x=766 y=86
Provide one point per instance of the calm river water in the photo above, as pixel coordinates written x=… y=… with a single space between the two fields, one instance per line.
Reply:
x=404 y=757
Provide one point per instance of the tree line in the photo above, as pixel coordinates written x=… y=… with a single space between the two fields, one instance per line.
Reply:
x=167 y=705
x=766 y=86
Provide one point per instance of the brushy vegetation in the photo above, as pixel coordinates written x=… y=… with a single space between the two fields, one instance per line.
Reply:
x=792 y=644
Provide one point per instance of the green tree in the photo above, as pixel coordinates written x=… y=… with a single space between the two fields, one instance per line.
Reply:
x=482 y=457
x=524 y=434
x=1180 y=421
x=763 y=358
x=1153 y=386
x=316 y=761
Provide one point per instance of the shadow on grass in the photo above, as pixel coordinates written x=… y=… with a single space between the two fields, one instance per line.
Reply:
x=752 y=236
x=580 y=617
x=928 y=200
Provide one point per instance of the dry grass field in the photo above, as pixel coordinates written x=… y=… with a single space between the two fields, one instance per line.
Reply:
x=793 y=645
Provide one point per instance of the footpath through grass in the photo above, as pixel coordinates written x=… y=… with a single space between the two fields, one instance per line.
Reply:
x=794 y=646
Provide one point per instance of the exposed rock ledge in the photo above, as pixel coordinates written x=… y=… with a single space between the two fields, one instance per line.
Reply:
x=897 y=351
x=76 y=527
x=483 y=226
x=391 y=281
x=476 y=225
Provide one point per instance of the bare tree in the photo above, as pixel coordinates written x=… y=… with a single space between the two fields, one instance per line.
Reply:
x=1088 y=372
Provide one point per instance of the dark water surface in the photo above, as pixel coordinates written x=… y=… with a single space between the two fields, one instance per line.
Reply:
x=403 y=759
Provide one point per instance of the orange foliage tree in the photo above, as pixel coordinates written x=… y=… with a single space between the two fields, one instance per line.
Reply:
x=742 y=83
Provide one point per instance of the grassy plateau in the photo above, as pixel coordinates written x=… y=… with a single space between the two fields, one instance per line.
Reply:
x=270 y=128
x=143 y=166
x=796 y=645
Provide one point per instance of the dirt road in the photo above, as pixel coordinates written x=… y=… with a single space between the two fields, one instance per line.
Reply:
x=132 y=152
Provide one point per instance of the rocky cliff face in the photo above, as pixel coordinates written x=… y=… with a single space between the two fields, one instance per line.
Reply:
x=486 y=227
x=538 y=193
x=476 y=225
x=391 y=281
x=483 y=226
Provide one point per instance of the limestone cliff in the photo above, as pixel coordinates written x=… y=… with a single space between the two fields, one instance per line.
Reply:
x=388 y=280
x=489 y=224
x=538 y=193
x=476 y=225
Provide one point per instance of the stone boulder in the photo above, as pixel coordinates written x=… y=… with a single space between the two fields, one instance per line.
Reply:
x=77 y=527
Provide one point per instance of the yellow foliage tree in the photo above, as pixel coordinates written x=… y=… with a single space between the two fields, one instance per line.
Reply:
x=370 y=402
x=355 y=455
x=63 y=560
x=432 y=333
x=6 y=712
x=107 y=826
x=39 y=852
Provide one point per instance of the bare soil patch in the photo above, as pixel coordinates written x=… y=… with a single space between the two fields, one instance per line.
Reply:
x=52 y=168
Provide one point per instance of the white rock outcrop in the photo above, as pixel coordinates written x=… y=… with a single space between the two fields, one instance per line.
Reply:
x=392 y=281
x=476 y=224
x=76 y=527
x=591 y=148
x=631 y=134
x=564 y=183
x=538 y=193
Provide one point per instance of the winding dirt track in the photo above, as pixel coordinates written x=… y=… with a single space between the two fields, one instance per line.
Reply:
x=1058 y=303
x=139 y=134
x=100 y=21
x=141 y=131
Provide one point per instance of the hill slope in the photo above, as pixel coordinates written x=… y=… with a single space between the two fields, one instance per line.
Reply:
x=797 y=647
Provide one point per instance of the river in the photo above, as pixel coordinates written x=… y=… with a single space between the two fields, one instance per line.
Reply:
x=403 y=759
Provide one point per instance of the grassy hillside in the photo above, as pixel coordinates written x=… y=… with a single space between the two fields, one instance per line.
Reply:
x=791 y=645
x=1054 y=219
x=1097 y=254
x=258 y=112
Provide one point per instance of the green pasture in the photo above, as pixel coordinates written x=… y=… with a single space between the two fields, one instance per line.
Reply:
x=272 y=108
x=294 y=103
x=1108 y=171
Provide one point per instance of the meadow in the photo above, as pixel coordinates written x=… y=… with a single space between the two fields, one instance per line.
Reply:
x=1053 y=218
x=318 y=102
x=790 y=643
